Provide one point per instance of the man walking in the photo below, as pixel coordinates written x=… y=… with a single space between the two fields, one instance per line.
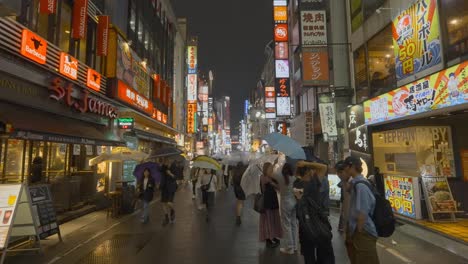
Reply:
x=361 y=233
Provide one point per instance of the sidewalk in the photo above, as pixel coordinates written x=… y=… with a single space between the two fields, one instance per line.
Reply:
x=95 y=239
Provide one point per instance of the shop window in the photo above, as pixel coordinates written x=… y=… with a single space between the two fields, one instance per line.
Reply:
x=381 y=63
x=57 y=160
x=456 y=18
x=65 y=14
x=14 y=160
x=361 y=76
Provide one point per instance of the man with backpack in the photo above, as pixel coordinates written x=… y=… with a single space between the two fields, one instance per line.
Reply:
x=362 y=232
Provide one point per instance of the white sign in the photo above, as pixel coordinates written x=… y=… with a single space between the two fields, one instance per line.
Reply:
x=9 y=195
x=335 y=191
x=328 y=119
x=282 y=68
x=280 y=3
x=314 y=27
x=283 y=106
x=192 y=81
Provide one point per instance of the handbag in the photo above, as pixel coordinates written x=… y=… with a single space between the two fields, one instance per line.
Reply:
x=206 y=187
x=259 y=202
x=314 y=224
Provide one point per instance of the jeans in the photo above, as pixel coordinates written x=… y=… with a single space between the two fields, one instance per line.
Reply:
x=145 y=212
x=289 y=221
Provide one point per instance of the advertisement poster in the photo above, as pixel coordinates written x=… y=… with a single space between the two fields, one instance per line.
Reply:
x=282 y=68
x=130 y=69
x=315 y=66
x=335 y=191
x=446 y=88
x=438 y=195
x=314 y=27
x=328 y=119
x=416 y=40
x=9 y=195
x=400 y=192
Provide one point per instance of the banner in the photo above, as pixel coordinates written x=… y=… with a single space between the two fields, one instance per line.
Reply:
x=416 y=39
x=80 y=19
x=446 y=88
x=314 y=27
x=399 y=191
x=315 y=69
x=102 y=35
x=328 y=119
x=47 y=6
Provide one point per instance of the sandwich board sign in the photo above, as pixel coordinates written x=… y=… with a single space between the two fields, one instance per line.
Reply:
x=44 y=211
x=16 y=217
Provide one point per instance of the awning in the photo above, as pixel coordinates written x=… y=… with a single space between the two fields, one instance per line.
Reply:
x=33 y=124
x=152 y=137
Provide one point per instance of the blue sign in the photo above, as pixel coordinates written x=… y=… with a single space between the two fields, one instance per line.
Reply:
x=246 y=107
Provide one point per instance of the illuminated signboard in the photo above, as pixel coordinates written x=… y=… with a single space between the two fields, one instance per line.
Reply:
x=280 y=14
x=315 y=69
x=314 y=27
x=446 y=88
x=280 y=3
x=281 y=32
x=283 y=106
x=399 y=191
x=282 y=68
x=192 y=59
x=125 y=123
x=133 y=98
x=93 y=80
x=68 y=66
x=191 y=123
x=270 y=103
x=416 y=39
x=281 y=50
x=192 y=82
x=33 y=47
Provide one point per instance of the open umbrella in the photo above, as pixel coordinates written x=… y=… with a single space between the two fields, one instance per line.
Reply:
x=286 y=145
x=206 y=159
x=165 y=152
x=119 y=154
x=250 y=182
x=206 y=165
x=153 y=167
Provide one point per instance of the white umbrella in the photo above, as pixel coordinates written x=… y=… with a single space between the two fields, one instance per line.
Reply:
x=119 y=154
x=250 y=182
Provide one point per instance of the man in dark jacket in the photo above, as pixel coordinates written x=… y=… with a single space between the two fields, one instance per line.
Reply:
x=168 y=189
x=146 y=192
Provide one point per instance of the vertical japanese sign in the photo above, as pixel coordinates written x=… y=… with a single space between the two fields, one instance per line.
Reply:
x=80 y=19
x=192 y=59
x=328 y=119
x=102 y=35
x=270 y=103
x=48 y=6
x=192 y=83
x=416 y=39
x=191 y=112
x=282 y=106
x=315 y=66
x=314 y=27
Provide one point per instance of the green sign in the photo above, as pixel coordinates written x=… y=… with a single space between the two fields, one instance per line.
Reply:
x=125 y=123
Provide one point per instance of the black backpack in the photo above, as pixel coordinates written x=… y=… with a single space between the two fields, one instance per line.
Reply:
x=383 y=216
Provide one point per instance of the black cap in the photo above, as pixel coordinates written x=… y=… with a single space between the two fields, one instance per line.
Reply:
x=340 y=165
x=353 y=161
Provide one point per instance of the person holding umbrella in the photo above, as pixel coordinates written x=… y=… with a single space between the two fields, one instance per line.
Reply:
x=168 y=189
x=208 y=186
x=145 y=188
x=270 y=222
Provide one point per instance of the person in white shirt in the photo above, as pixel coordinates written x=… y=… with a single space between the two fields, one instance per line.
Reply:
x=208 y=185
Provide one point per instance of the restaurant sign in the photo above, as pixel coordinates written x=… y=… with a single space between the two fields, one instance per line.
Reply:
x=400 y=193
x=33 y=47
x=79 y=98
x=133 y=98
x=446 y=88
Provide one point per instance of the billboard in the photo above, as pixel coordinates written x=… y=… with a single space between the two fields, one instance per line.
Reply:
x=314 y=27
x=315 y=69
x=446 y=88
x=416 y=41
x=192 y=82
x=192 y=59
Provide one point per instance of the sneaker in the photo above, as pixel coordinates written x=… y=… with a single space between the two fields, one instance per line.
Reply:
x=287 y=251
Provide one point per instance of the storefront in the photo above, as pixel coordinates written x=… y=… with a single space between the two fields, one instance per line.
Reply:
x=54 y=118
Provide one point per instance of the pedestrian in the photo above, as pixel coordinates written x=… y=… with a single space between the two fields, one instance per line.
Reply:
x=314 y=227
x=209 y=185
x=168 y=190
x=270 y=222
x=238 y=191
x=36 y=170
x=361 y=233
x=145 y=188
x=194 y=174
x=344 y=185
x=226 y=171
x=288 y=209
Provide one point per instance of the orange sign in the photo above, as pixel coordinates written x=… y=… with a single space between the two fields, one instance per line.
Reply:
x=281 y=32
x=80 y=19
x=102 y=35
x=191 y=111
x=164 y=118
x=315 y=70
x=68 y=66
x=159 y=116
x=47 y=6
x=94 y=80
x=33 y=47
x=280 y=13
x=156 y=85
x=133 y=98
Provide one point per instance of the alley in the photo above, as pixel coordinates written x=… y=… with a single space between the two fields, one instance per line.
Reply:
x=192 y=240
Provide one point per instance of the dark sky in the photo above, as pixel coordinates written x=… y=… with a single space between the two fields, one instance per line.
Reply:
x=232 y=36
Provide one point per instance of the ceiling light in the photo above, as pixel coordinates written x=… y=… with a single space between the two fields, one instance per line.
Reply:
x=387 y=56
x=67 y=31
x=454 y=21
x=147 y=128
x=392 y=46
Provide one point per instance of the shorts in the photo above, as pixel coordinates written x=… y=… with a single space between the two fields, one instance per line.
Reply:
x=240 y=195
x=167 y=197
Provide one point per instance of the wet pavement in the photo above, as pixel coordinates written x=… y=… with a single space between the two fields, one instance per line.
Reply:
x=192 y=240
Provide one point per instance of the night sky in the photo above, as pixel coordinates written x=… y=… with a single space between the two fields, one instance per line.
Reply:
x=232 y=36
